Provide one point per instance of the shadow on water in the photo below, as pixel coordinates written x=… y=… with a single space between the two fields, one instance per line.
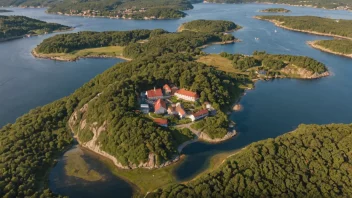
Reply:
x=108 y=186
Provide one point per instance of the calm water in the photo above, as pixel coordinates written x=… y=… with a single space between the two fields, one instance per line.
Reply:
x=273 y=108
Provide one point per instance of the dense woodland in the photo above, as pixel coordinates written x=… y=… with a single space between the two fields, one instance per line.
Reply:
x=157 y=42
x=159 y=13
x=340 y=46
x=30 y=144
x=16 y=26
x=328 y=4
x=312 y=161
x=338 y=27
x=210 y=26
x=275 y=10
x=185 y=41
x=273 y=62
x=65 y=43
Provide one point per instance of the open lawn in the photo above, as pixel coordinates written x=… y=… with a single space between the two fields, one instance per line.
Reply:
x=111 y=51
x=220 y=63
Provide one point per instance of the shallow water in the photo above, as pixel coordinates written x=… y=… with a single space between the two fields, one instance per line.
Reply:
x=273 y=108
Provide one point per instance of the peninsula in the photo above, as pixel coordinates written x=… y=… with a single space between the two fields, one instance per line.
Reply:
x=4 y=10
x=338 y=28
x=276 y=10
x=14 y=27
x=287 y=166
x=342 y=47
x=139 y=114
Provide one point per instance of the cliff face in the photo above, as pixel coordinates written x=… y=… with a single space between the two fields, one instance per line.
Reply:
x=78 y=124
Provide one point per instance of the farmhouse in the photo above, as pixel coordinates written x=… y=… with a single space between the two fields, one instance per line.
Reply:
x=167 y=89
x=160 y=106
x=199 y=115
x=187 y=95
x=177 y=110
x=161 y=122
x=154 y=94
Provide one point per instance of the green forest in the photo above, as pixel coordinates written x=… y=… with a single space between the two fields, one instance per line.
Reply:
x=64 y=43
x=155 y=42
x=185 y=41
x=275 y=10
x=209 y=26
x=338 y=27
x=336 y=45
x=328 y=4
x=273 y=62
x=17 y=26
x=312 y=161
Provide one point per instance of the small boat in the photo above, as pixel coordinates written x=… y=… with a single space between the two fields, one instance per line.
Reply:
x=256 y=38
x=275 y=31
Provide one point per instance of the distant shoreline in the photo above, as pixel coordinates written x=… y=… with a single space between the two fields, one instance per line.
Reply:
x=280 y=24
x=314 y=45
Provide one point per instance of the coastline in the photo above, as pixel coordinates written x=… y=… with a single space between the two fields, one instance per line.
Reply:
x=280 y=24
x=314 y=45
x=65 y=59
x=22 y=36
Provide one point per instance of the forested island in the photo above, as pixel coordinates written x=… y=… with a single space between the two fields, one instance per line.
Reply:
x=342 y=47
x=326 y=4
x=312 y=161
x=12 y=27
x=276 y=10
x=209 y=26
x=132 y=44
x=138 y=9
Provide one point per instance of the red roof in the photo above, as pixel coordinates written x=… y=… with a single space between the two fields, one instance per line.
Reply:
x=180 y=110
x=154 y=93
x=167 y=87
x=200 y=113
x=187 y=93
x=160 y=121
x=158 y=104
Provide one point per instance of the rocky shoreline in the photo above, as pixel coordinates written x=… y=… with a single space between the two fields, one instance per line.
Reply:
x=318 y=47
x=280 y=24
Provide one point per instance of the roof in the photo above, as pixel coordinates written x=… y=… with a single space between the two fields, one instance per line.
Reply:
x=180 y=110
x=200 y=113
x=160 y=121
x=158 y=104
x=187 y=93
x=167 y=87
x=154 y=93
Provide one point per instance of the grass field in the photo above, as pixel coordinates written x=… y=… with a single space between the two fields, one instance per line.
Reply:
x=77 y=167
x=111 y=51
x=220 y=63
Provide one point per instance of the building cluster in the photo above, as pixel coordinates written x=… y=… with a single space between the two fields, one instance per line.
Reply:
x=159 y=99
x=123 y=14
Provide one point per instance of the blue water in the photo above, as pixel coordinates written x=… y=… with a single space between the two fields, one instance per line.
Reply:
x=273 y=108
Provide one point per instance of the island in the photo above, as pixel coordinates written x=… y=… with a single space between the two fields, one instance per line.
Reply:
x=4 y=10
x=125 y=44
x=138 y=114
x=313 y=160
x=276 y=10
x=209 y=26
x=338 y=28
x=14 y=27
